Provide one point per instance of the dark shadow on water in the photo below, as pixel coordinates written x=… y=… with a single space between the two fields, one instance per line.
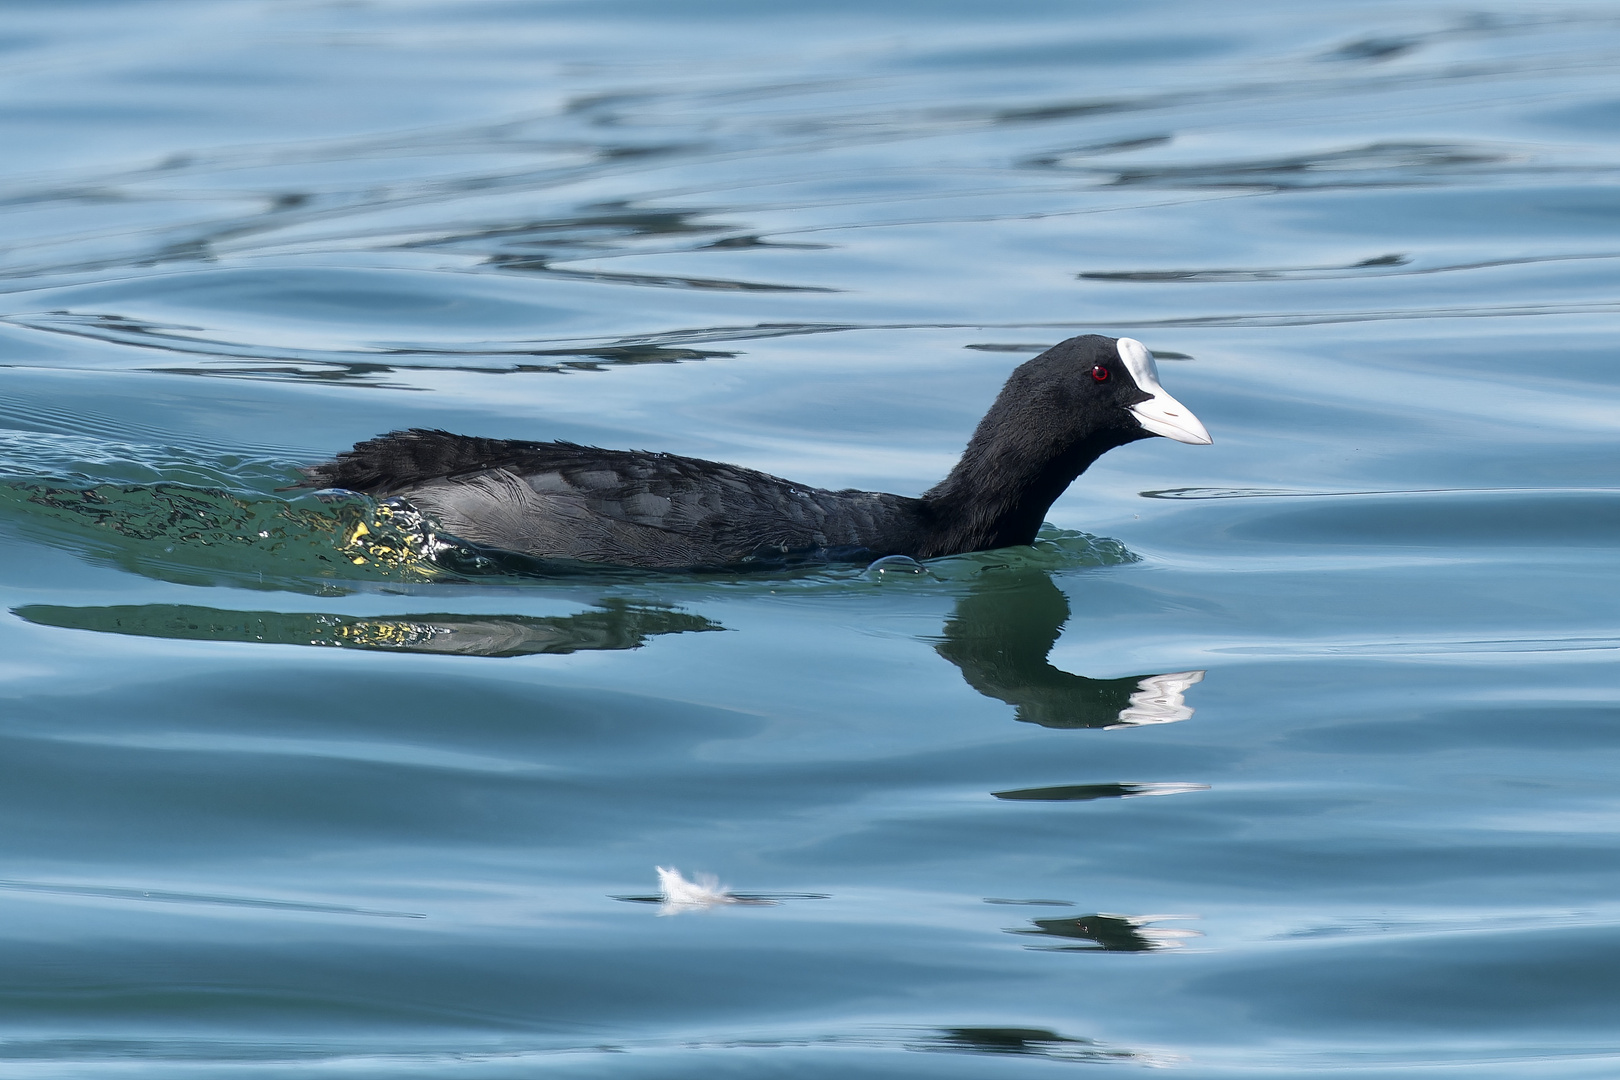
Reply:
x=212 y=353
x=1279 y=273
x=1375 y=49
x=1368 y=165
x=1022 y=1042
x=1029 y=1042
x=618 y=625
x=1391 y=265
x=612 y=223
x=1000 y=635
x=1088 y=792
x=1109 y=933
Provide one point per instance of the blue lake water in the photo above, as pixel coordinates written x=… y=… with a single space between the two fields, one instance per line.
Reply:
x=1291 y=754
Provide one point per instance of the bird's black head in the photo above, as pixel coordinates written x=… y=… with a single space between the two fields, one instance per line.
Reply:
x=1056 y=415
x=1094 y=389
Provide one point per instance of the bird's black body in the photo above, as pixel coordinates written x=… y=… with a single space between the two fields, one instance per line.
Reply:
x=558 y=500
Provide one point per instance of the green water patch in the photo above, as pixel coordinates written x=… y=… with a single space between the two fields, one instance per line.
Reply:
x=213 y=536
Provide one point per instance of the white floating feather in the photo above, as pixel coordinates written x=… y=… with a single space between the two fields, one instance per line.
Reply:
x=682 y=895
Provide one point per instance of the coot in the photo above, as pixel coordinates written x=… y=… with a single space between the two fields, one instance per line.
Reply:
x=1056 y=415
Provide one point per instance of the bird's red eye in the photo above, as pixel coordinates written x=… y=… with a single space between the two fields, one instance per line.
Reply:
x=1099 y=373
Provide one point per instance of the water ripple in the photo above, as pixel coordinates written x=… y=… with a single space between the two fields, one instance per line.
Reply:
x=162 y=896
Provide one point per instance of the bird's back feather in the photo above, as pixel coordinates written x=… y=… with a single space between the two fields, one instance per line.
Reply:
x=560 y=500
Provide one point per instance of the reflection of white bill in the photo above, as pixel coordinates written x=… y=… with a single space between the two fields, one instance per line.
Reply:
x=1159 y=700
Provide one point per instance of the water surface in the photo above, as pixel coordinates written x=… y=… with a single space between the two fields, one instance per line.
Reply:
x=1289 y=754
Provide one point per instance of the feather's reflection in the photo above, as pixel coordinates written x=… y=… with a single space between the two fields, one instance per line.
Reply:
x=1000 y=635
x=1025 y=1042
x=616 y=625
x=1089 y=792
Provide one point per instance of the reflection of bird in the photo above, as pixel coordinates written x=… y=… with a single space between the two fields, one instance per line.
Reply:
x=618 y=625
x=999 y=636
x=1056 y=415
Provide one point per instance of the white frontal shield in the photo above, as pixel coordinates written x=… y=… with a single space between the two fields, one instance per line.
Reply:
x=1161 y=413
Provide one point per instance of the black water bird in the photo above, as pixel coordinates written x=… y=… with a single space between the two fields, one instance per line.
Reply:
x=1056 y=415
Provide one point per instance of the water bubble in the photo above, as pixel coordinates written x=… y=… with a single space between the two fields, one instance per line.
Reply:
x=895 y=566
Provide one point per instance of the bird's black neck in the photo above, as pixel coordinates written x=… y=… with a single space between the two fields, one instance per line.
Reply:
x=999 y=492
